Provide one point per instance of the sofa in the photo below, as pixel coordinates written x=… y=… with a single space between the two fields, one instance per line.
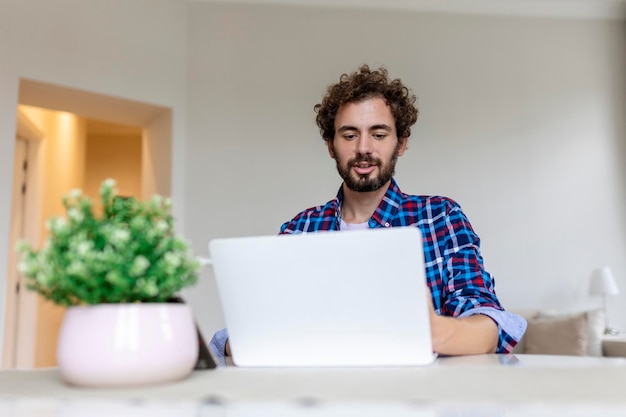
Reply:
x=578 y=333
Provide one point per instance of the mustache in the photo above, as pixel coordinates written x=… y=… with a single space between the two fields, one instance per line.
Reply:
x=364 y=158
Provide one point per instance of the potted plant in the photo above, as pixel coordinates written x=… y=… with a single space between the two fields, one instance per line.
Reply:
x=115 y=271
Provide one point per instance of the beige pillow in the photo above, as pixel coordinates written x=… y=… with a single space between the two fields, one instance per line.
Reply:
x=565 y=336
x=596 y=323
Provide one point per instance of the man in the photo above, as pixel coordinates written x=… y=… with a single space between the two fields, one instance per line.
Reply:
x=365 y=120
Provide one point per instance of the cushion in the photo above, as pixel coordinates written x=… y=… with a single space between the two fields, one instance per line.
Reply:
x=558 y=336
x=614 y=346
x=596 y=323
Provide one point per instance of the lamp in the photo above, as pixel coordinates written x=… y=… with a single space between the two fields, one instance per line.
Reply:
x=603 y=283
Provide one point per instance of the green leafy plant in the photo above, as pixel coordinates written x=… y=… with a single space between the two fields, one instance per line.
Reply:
x=127 y=254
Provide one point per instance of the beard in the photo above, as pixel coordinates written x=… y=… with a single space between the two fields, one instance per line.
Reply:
x=367 y=182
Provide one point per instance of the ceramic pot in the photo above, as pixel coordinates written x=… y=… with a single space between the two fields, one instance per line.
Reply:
x=127 y=344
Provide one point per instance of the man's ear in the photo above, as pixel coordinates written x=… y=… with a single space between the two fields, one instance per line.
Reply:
x=329 y=144
x=402 y=144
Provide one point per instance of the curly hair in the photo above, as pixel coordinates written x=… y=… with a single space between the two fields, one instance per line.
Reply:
x=362 y=85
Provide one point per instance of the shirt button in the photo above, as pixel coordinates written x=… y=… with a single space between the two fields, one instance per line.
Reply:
x=387 y=224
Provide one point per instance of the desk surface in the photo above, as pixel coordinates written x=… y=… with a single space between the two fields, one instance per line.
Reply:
x=495 y=382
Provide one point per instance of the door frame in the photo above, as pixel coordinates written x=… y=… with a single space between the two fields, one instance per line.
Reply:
x=18 y=352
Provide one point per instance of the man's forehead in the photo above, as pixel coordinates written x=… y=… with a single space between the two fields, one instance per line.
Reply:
x=373 y=98
x=373 y=112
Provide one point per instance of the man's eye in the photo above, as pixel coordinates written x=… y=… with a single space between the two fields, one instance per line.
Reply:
x=349 y=137
x=379 y=136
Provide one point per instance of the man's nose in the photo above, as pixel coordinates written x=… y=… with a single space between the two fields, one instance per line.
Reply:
x=364 y=145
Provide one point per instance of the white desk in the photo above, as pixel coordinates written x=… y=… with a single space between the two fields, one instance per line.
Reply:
x=498 y=385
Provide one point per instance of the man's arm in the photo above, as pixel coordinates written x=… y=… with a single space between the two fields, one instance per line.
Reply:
x=219 y=343
x=470 y=335
x=463 y=293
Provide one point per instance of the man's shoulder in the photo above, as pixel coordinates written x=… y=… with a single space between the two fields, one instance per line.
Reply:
x=428 y=202
x=396 y=197
x=312 y=219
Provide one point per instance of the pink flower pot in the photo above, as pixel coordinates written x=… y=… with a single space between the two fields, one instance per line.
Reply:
x=127 y=344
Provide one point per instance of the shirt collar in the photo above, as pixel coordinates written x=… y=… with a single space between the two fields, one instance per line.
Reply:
x=386 y=210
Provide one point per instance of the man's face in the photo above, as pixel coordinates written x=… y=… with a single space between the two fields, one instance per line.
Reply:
x=366 y=146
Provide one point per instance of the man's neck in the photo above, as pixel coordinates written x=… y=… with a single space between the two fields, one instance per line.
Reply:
x=358 y=207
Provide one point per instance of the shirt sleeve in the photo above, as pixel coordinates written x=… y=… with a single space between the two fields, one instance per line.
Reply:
x=218 y=343
x=510 y=326
x=466 y=287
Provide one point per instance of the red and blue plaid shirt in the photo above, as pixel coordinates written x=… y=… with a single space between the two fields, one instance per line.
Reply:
x=459 y=284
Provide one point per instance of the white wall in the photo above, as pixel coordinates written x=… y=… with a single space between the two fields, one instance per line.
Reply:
x=521 y=122
x=129 y=49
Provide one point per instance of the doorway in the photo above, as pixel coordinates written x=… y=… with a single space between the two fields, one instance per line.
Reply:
x=83 y=139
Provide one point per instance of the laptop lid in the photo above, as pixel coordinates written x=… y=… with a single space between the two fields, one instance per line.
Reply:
x=352 y=298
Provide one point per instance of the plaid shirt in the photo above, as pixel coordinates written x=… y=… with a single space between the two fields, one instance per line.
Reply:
x=459 y=284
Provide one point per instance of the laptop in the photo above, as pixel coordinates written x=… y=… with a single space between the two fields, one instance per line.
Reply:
x=351 y=298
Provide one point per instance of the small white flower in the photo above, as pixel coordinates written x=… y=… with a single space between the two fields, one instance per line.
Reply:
x=107 y=189
x=149 y=287
x=77 y=268
x=139 y=222
x=172 y=260
x=109 y=183
x=114 y=277
x=42 y=278
x=157 y=199
x=22 y=246
x=25 y=268
x=161 y=226
x=57 y=225
x=74 y=214
x=120 y=236
x=139 y=266
x=22 y=267
x=84 y=247
x=75 y=193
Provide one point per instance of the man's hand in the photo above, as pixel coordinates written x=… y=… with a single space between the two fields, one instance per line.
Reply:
x=471 y=335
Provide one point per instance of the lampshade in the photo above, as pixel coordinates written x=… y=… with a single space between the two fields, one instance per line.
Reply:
x=603 y=282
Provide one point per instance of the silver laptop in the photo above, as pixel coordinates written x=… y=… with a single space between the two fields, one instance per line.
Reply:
x=352 y=298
